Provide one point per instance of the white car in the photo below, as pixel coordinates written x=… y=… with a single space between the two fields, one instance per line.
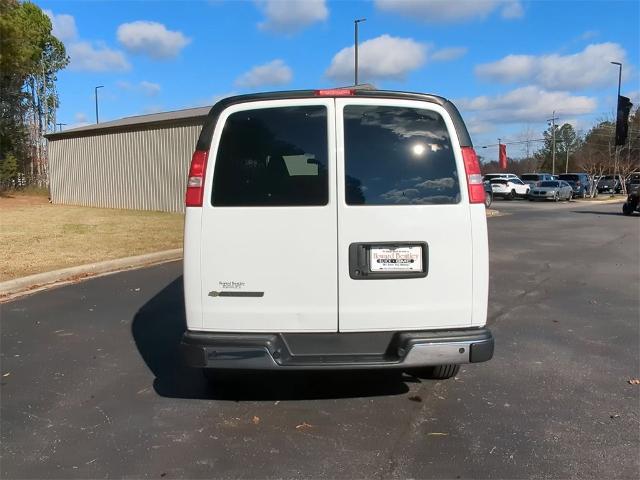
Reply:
x=509 y=188
x=491 y=176
x=335 y=229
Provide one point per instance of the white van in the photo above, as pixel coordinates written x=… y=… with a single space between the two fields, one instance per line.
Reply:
x=335 y=229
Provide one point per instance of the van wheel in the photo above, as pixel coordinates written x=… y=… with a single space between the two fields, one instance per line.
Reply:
x=439 y=372
x=512 y=195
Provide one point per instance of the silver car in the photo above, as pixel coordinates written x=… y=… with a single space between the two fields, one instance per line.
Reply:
x=552 y=190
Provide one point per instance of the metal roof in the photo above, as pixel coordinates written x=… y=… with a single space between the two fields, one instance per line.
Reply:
x=186 y=115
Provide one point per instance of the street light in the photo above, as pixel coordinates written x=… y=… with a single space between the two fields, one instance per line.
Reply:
x=96 y=97
x=355 y=24
x=552 y=123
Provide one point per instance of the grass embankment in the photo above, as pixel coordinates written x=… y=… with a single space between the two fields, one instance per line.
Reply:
x=37 y=236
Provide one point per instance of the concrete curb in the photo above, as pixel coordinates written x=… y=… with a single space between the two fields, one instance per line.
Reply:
x=599 y=202
x=33 y=283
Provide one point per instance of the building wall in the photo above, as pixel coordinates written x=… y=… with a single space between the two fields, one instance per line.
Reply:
x=143 y=169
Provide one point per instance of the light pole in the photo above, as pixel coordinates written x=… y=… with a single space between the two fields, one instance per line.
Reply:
x=96 y=97
x=355 y=25
x=617 y=152
x=60 y=126
x=553 y=141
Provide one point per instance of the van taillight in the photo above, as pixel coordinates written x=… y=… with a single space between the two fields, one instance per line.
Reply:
x=474 y=177
x=195 y=184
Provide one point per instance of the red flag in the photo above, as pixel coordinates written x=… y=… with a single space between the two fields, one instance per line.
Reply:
x=502 y=160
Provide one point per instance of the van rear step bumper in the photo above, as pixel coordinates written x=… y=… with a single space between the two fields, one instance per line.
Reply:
x=318 y=351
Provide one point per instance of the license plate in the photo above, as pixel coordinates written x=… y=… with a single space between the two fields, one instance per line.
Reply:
x=400 y=259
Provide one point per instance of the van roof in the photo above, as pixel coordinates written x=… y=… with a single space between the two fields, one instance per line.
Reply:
x=204 y=142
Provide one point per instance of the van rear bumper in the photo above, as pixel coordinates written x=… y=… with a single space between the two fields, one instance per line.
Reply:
x=319 y=351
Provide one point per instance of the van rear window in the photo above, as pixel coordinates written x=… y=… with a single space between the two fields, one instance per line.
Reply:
x=398 y=156
x=273 y=157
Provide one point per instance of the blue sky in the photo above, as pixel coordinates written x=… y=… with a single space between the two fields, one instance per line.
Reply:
x=506 y=63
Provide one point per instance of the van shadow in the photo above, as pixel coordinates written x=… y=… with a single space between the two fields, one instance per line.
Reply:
x=157 y=329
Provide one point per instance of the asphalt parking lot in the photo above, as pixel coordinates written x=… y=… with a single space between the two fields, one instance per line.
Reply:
x=92 y=387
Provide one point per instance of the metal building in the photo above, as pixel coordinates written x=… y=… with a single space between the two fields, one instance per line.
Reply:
x=137 y=162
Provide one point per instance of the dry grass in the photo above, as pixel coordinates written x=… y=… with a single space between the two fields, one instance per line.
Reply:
x=39 y=237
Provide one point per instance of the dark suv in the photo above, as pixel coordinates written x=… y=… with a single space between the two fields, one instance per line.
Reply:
x=581 y=184
x=610 y=183
x=535 y=179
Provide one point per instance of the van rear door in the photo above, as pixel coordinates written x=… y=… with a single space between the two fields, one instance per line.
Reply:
x=404 y=220
x=269 y=219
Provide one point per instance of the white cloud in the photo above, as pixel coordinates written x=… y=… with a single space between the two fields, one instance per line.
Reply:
x=448 y=53
x=152 y=109
x=589 y=68
x=64 y=25
x=80 y=119
x=588 y=35
x=275 y=72
x=380 y=58
x=512 y=10
x=450 y=11
x=477 y=126
x=291 y=16
x=85 y=57
x=526 y=104
x=149 y=88
x=152 y=39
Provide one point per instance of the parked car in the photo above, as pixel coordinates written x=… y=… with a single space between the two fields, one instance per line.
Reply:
x=633 y=182
x=632 y=204
x=552 y=190
x=534 y=179
x=488 y=194
x=305 y=250
x=491 y=176
x=509 y=188
x=610 y=183
x=581 y=183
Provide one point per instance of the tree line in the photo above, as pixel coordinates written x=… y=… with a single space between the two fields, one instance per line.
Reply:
x=593 y=152
x=30 y=59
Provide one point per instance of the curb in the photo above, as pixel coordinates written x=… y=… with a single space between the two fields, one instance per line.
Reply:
x=600 y=202
x=33 y=283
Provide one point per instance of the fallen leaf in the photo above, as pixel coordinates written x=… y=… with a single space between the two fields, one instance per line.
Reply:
x=635 y=381
x=415 y=398
x=256 y=420
x=303 y=426
x=614 y=416
x=6 y=374
x=441 y=434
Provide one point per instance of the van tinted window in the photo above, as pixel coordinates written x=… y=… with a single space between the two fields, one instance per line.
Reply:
x=273 y=157
x=398 y=156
